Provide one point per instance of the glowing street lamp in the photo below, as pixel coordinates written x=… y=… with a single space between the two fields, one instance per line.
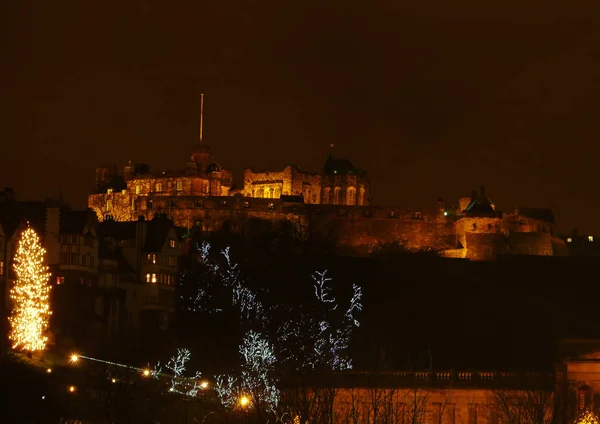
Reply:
x=114 y=380
x=146 y=372
x=204 y=384
x=244 y=401
x=71 y=389
x=74 y=358
x=49 y=370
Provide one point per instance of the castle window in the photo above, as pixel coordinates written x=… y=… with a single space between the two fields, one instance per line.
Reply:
x=569 y=240
x=123 y=192
x=158 y=187
x=108 y=205
x=151 y=258
x=137 y=189
x=148 y=278
x=153 y=277
x=205 y=187
x=179 y=185
x=361 y=196
x=472 y=414
x=277 y=193
x=591 y=239
x=171 y=260
x=172 y=243
x=109 y=191
x=327 y=196
x=474 y=226
x=267 y=193
x=351 y=196
x=60 y=280
x=336 y=195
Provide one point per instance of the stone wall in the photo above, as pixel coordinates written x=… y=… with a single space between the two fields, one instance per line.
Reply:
x=289 y=182
x=353 y=229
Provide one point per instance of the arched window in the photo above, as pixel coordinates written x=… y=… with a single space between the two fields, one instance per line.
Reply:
x=351 y=196
x=267 y=193
x=205 y=187
x=277 y=193
x=327 y=195
x=336 y=195
x=361 y=196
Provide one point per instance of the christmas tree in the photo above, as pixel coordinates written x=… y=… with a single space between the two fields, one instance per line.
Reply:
x=30 y=295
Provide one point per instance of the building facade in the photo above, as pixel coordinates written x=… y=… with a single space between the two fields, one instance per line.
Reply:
x=562 y=395
x=334 y=205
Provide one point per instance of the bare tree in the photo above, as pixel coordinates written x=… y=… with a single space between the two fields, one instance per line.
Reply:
x=536 y=406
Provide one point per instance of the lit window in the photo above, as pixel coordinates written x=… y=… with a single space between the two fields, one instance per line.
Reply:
x=172 y=243
x=591 y=238
x=123 y=192
x=569 y=239
x=179 y=186
x=137 y=189
x=60 y=280
x=109 y=191
x=154 y=278
x=151 y=258
x=171 y=260
x=158 y=187
x=108 y=205
x=148 y=278
x=1 y=268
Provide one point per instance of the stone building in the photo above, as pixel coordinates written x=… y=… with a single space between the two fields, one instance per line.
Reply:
x=334 y=205
x=552 y=396
x=140 y=261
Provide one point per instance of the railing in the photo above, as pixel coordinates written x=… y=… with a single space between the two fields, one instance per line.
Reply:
x=424 y=379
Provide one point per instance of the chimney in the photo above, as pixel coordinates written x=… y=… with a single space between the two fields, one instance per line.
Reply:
x=482 y=192
x=53 y=234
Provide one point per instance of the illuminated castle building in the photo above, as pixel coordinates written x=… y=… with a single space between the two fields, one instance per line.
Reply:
x=334 y=204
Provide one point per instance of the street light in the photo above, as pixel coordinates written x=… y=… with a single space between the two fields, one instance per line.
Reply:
x=74 y=358
x=244 y=401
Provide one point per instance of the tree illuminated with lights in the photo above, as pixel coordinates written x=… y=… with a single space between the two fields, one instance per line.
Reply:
x=30 y=295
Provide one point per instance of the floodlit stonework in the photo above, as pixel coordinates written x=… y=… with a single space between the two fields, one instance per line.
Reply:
x=333 y=205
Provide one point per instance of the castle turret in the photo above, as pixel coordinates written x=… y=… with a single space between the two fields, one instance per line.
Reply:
x=129 y=171
x=105 y=174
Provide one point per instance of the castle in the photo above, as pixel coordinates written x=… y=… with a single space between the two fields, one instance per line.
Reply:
x=333 y=205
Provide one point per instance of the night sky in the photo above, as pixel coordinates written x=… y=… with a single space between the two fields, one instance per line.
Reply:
x=432 y=98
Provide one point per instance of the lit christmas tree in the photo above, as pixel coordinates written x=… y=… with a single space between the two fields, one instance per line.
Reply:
x=30 y=294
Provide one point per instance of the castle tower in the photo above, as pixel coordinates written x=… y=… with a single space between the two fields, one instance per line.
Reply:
x=479 y=228
x=343 y=183
x=129 y=171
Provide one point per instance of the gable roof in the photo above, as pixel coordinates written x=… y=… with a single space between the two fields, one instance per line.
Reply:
x=339 y=166
x=157 y=231
x=13 y=214
x=74 y=222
